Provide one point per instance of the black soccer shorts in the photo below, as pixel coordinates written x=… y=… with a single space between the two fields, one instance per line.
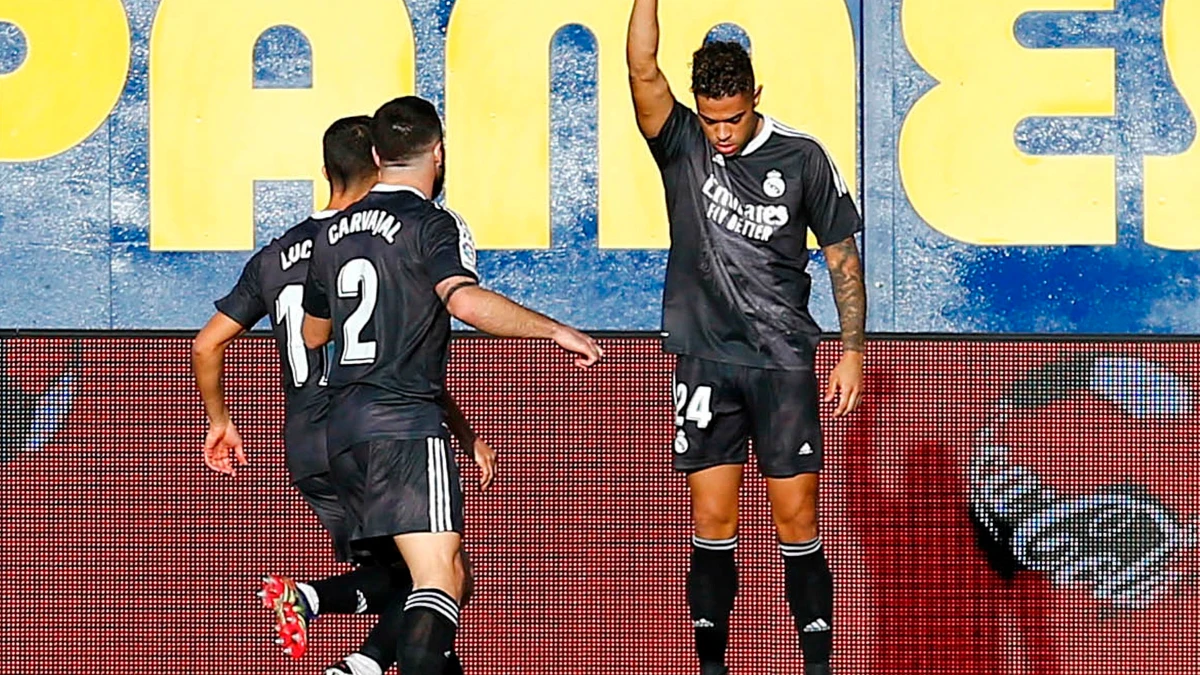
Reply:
x=400 y=486
x=323 y=498
x=720 y=406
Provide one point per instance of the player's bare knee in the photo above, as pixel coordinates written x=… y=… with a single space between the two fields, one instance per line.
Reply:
x=715 y=523
x=447 y=578
x=795 y=522
x=433 y=560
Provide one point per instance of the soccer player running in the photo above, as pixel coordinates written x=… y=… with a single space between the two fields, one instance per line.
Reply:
x=272 y=283
x=385 y=278
x=743 y=190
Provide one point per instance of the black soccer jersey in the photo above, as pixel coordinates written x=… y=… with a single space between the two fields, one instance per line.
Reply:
x=374 y=270
x=737 y=288
x=272 y=284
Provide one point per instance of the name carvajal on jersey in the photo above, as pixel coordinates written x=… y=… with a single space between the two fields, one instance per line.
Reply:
x=376 y=222
x=753 y=221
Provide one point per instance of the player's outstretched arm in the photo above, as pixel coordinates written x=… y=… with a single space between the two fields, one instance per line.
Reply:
x=850 y=295
x=223 y=443
x=652 y=98
x=472 y=444
x=495 y=314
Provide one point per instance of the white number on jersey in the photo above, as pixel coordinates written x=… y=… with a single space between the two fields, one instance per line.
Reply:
x=358 y=278
x=289 y=311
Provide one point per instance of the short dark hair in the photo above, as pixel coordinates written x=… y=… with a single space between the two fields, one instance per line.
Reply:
x=404 y=129
x=722 y=69
x=347 y=149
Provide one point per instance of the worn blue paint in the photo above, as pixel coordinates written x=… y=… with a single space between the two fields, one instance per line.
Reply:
x=13 y=48
x=1130 y=287
x=74 y=228
x=925 y=282
x=282 y=59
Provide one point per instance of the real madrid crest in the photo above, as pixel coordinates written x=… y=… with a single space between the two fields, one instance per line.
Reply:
x=773 y=186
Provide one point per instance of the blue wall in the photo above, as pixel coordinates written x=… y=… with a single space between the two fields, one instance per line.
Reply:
x=74 y=247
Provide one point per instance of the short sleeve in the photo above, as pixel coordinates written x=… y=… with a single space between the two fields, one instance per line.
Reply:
x=679 y=136
x=447 y=247
x=832 y=214
x=245 y=304
x=316 y=300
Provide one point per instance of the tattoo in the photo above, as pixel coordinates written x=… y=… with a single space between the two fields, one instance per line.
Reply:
x=456 y=288
x=849 y=292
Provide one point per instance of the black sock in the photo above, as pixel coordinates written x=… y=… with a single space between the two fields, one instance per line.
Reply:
x=382 y=642
x=365 y=590
x=810 y=595
x=711 y=587
x=430 y=622
x=384 y=639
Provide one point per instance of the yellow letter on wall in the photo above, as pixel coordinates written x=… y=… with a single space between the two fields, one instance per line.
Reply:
x=212 y=134
x=498 y=98
x=958 y=160
x=1173 y=183
x=75 y=67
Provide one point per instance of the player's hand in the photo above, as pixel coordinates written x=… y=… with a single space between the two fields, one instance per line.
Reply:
x=485 y=457
x=221 y=446
x=846 y=383
x=586 y=349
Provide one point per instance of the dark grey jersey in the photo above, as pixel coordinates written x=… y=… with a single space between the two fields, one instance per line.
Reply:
x=737 y=288
x=374 y=271
x=272 y=284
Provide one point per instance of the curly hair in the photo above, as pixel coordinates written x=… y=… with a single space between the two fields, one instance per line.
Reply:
x=722 y=69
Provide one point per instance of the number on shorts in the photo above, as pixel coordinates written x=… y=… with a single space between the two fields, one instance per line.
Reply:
x=358 y=277
x=289 y=311
x=700 y=408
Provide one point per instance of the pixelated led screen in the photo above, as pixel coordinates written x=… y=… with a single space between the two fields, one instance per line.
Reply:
x=994 y=508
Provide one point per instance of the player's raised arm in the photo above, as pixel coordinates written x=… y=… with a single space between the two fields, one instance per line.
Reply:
x=223 y=443
x=497 y=315
x=652 y=98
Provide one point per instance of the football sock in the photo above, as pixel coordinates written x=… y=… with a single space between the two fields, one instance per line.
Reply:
x=365 y=590
x=809 y=585
x=711 y=588
x=430 y=623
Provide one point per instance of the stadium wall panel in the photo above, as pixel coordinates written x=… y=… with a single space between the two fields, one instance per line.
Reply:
x=996 y=507
x=1025 y=166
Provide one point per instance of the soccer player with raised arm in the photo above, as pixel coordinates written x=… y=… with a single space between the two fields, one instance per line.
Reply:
x=743 y=191
x=272 y=284
x=385 y=278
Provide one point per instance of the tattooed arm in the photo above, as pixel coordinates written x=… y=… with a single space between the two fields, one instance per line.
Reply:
x=849 y=292
x=850 y=295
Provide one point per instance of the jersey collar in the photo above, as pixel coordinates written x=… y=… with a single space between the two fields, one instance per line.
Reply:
x=387 y=187
x=322 y=215
x=758 y=141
